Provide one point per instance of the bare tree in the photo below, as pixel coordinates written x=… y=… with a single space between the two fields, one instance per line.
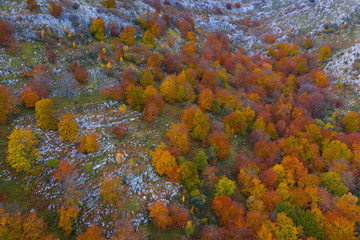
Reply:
x=65 y=84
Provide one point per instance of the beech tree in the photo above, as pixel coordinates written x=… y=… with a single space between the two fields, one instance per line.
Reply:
x=32 y=5
x=189 y=175
x=225 y=186
x=178 y=136
x=159 y=214
x=128 y=35
x=68 y=128
x=7 y=104
x=98 y=29
x=220 y=141
x=164 y=163
x=67 y=217
x=89 y=143
x=196 y=121
x=91 y=233
x=22 y=154
x=45 y=112
x=29 y=98
x=351 y=122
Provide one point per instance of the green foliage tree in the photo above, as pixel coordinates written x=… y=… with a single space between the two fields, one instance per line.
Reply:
x=225 y=186
x=201 y=160
x=334 y=184
x=189 y=175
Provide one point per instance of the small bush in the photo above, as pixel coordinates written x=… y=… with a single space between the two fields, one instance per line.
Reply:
x=53 y=163
x=120 y=130
x=32 y=5
x=55 y=9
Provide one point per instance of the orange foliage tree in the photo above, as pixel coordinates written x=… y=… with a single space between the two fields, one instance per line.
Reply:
x=228 y=211
x=45 y=112
x=29 y=98
x=22 y=226
x=308 y=43
x=128 y=35
x=206 y=99
x=112 y=192
x=178 y=214
x=178 y=136
x=164 y=163
x=220 y=141
x=89 y=143
x=237 y=122
x=153 y=104
x=196 y=122
x=159 y=214
x=351 y=122
x=91 y=233
x=68 y=128
x=319 y=78
x=7 y=104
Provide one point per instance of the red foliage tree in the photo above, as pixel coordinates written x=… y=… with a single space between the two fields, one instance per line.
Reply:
x=55 y=9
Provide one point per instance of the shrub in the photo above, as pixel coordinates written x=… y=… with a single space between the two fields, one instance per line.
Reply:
x=7 y=34
x=237 y=5
x=109 y=3
x=308 y=44
x=114 y=29
x=55 y=9
x=81 y=74
x=32 y=5
x=228 y=6
x=120 y=130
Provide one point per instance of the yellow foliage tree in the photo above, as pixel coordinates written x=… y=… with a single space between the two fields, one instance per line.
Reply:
x=67 y=217
x=89 y=143
x=351 y=122
x=45 y=112
x=22 y=154
x=147 y=79
x=68 y=128
x=98 y=29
